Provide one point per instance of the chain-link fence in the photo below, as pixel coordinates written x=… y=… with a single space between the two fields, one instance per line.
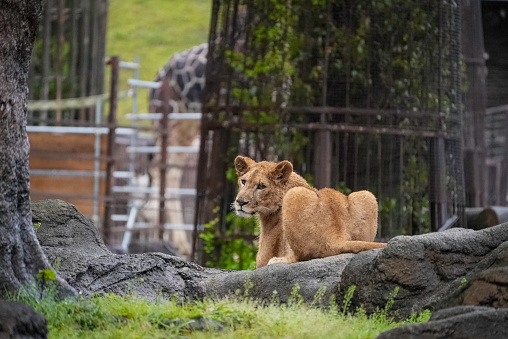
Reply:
x=356 y=94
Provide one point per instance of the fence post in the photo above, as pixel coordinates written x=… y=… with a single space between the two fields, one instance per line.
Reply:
x=504 y=172
x=113 y=100
x=475 y=103
x=164 y=155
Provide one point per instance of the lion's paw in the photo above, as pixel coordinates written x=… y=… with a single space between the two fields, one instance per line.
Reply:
x=277 y=260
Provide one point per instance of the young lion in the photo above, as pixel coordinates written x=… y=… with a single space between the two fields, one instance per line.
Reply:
x=298 y=222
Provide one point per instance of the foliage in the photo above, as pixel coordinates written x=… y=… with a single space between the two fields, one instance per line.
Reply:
x=113 y=316
x=231 y=251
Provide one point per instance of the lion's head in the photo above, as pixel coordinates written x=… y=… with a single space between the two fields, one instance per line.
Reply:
x=261 y=186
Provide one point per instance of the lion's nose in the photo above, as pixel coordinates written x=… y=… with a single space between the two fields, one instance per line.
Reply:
x=241 y=202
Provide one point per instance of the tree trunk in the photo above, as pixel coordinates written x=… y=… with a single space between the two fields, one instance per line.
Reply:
x=21 y=256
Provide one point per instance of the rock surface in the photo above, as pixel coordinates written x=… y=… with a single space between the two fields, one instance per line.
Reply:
x=72 y=244
x=457 y=322
x=20 y=321
x=311 y=276
x=428 y=268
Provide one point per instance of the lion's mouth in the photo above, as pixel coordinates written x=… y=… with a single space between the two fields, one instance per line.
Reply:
x=244 y=214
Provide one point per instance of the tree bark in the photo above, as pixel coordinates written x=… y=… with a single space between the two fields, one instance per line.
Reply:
x=21 y=256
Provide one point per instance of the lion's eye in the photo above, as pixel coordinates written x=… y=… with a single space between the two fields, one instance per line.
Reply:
x=261 y=187
x=243 y=181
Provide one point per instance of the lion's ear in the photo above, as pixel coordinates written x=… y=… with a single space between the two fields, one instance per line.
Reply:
x=282 y=171
x=242 y=164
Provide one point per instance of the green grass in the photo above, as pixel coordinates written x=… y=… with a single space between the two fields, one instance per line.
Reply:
x=112 y=316
x=153 y=30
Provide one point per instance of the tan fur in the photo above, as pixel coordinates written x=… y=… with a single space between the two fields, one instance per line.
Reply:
x=298 y=222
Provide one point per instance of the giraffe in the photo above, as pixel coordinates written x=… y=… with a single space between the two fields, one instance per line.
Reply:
x=185 y=73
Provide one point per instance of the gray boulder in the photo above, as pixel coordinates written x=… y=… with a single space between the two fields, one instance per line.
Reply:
x=71 y=242
x=20 y=321
x=461 y=322
x=427 y=268
x=311 y=276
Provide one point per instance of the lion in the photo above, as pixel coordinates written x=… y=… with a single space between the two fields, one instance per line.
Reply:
x=299 y=222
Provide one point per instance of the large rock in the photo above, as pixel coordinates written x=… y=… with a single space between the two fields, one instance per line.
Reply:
x=20 y=321
x=460 y=322
x=311 y=276
x=73 y=245
x=488 y=287
x=428 y=268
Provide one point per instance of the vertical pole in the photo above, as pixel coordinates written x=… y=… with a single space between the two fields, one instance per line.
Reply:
x=323 y=139
x=59 y=59
x=113 y=101
x=200 y=184
x=476 y=101
x=504 y=173
x=134 y=120
x=46 y=55
x=438 y=193
x=163 y=156
x=97 y=163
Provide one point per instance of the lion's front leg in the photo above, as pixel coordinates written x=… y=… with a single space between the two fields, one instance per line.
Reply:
x=277 y=260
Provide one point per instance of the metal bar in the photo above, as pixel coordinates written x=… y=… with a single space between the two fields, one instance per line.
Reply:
x=144 y=116
x=119 y=217
x=72 y=103
x=78 y=130
x=143 y=83
x=125 y=131
x=144 y=226
x=185 y=116
x=504 y=173
x=134 y=122
x=134 y=189
x=158 y=116
x=497 y=109
x=123 y=174
x=66 y=173
x=154 y=190
x=46 y=55
x=339 y=127
x=186 y=227
x=97 y=163
x=169 y=149
x=337 y=110
x=164 y=155
x=449 y=223
x=181 y=191
x=67 y=129
x=129 y=65
x=200 y=183
x=84 y=57
x=130 y=224
x=111 y=142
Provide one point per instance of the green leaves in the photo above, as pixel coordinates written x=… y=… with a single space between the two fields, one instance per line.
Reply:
x=46 y=275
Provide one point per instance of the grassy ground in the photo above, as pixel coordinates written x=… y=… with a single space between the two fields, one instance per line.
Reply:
x=154 y=30
x=111 y=316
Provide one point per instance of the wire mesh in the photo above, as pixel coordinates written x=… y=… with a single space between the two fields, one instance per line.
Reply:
x=356 y=94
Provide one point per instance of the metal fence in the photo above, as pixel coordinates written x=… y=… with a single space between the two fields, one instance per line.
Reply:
x=67 y=60
x=107 y=169
x=357 y=94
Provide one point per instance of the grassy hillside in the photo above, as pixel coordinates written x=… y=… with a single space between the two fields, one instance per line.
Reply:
x=154 y=30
